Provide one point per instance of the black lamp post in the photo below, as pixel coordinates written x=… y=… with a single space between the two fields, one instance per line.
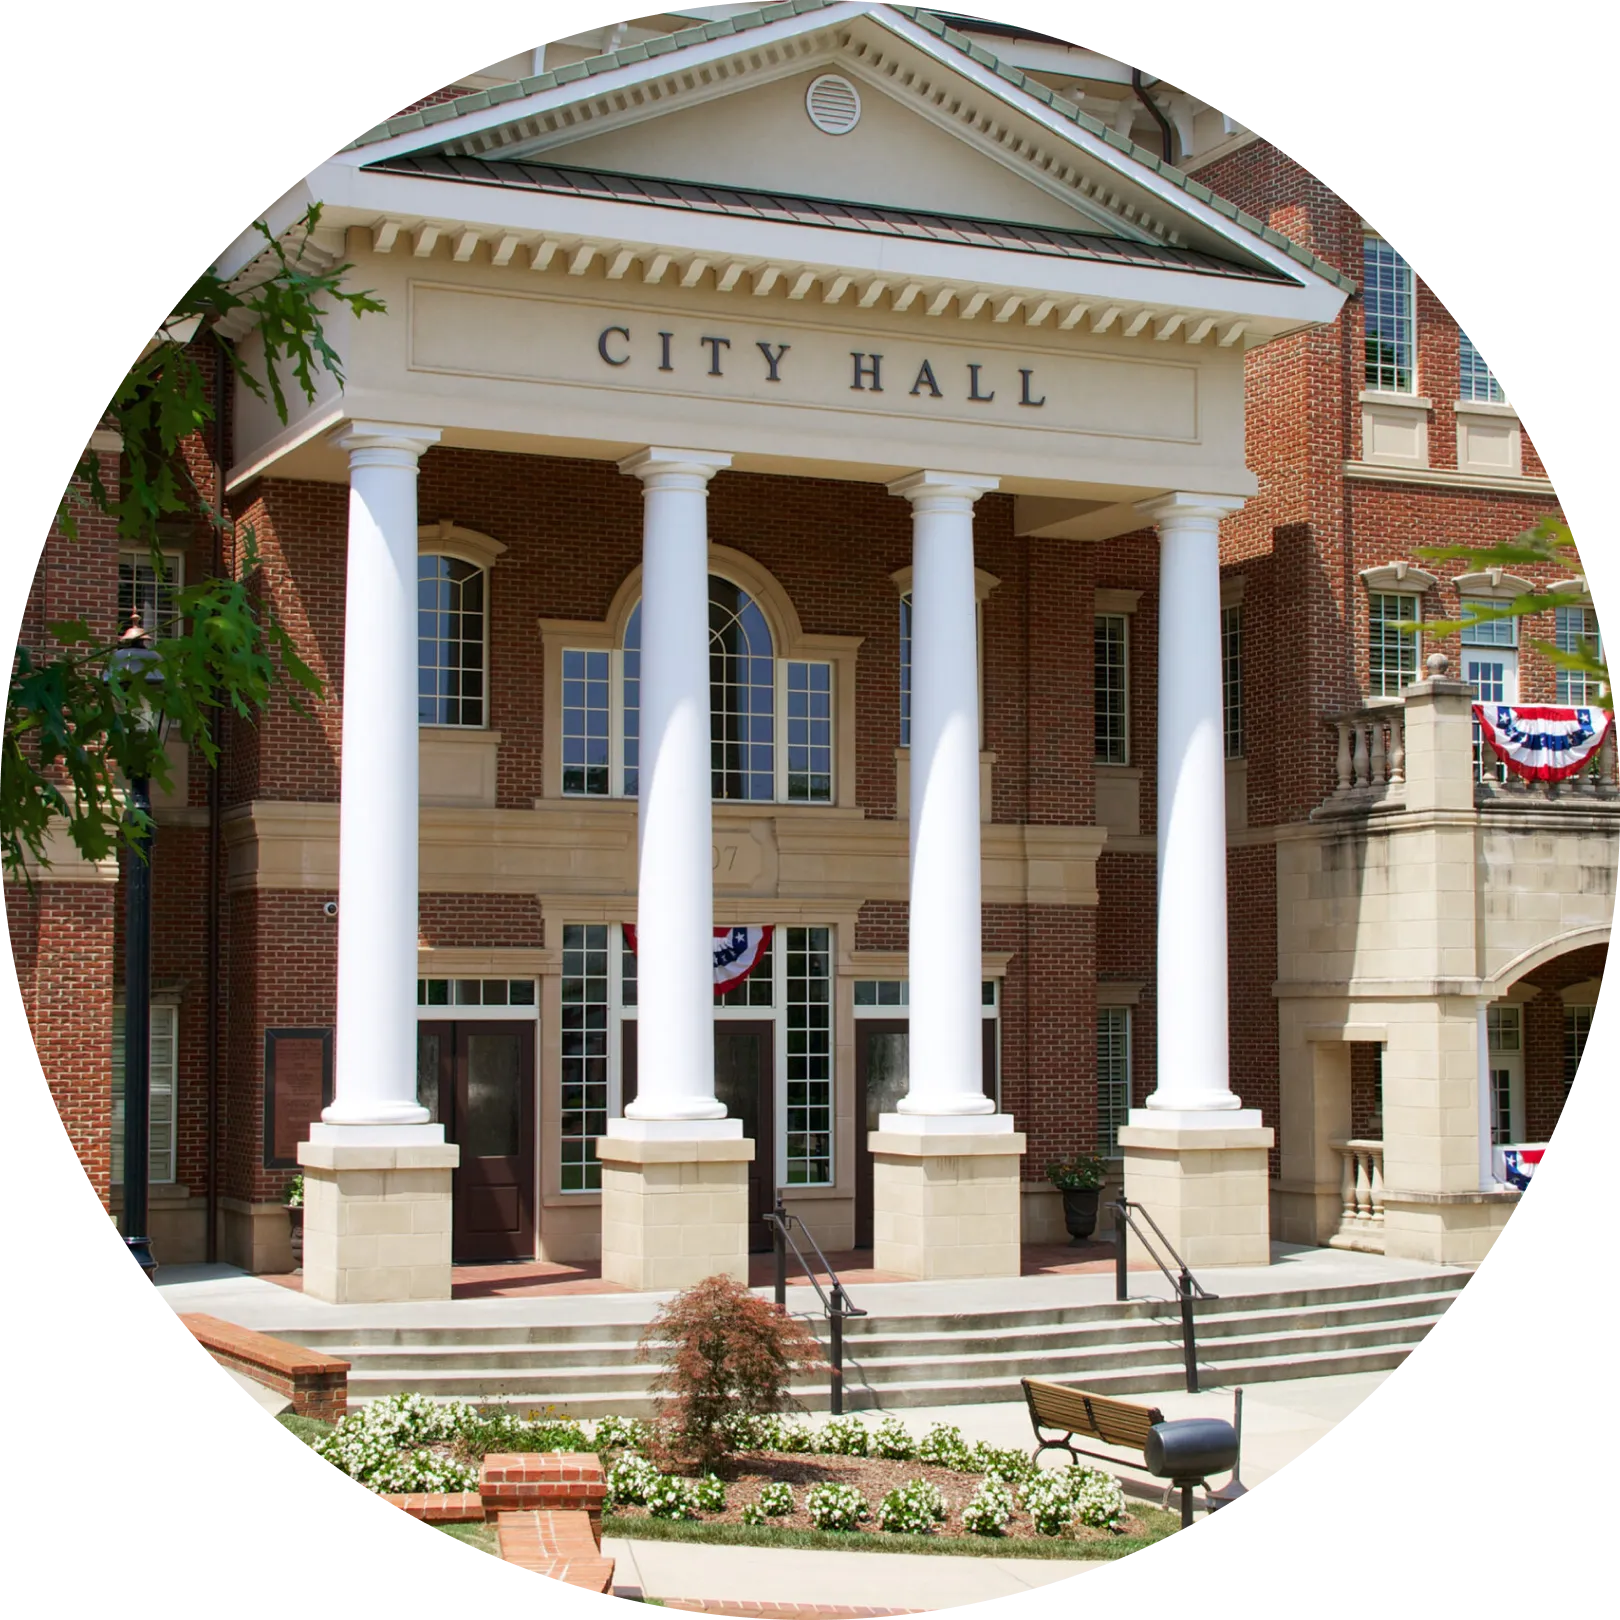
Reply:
x=133 y=660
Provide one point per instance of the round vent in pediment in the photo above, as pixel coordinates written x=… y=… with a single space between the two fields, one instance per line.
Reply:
x=834 y=104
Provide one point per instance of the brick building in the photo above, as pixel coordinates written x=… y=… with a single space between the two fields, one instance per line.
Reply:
x=1056 y=488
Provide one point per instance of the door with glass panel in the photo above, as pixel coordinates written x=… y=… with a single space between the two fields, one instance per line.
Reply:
x=477 y=1080
x=1505 y=1038
x=882 y=1077
x=1490 y=656
x=745 y=1082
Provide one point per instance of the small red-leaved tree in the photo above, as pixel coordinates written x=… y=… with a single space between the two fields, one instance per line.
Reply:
x=725 y=1351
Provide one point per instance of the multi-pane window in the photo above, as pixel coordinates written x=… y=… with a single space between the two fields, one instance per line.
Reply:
x=1577 y=1026
x=449 y=641
x=141 y=586
x=1113 y=1076
x=584 y=1053
x=1505 y=1042
x=1475 y=380
x=897 y=993
x=587 y=710
x=809 y=733
x=905 y=670
x=1488 y=632
x=1232 y=679
x=163 y=1047
x=759 y=988
x=1387 y=302
x=1576 y=630
x=809 y=1057
x=475 y=993
x=770 y=719
x=1110 y=687
x=1392 y=653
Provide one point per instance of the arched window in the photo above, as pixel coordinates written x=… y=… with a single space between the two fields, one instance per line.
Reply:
x=770 y=718
x=450 y=640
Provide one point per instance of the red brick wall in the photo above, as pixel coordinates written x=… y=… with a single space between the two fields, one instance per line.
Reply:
x=1544 y=1087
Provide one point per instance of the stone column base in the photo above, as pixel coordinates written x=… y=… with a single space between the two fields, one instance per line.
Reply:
x=946 y=1202
x=1447 y=1229
x=674 y=1211
x=1208 y=1187
x=376 y=1220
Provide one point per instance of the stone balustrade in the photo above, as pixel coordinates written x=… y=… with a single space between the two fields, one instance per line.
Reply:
x=1370 y=766
x=1361 y=1197
x=1598 y=783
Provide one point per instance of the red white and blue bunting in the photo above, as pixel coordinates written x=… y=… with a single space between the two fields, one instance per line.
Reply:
x=1540 y=742
x=737 y=952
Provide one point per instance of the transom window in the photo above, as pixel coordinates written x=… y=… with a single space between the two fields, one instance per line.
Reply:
x=1232 y=679
x=1387 y=303
x=450 y=631
x=502 y=993
x=1111 y=688
x=1490 y=632
x=770 y=718
x=1113 y=1077
x=1392 y=653
x=872 y=995
x=163 y=1048
x=1475 y=380
x=141 y=586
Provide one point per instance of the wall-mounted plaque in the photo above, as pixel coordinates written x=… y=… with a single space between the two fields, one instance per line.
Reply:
x=297 y=1086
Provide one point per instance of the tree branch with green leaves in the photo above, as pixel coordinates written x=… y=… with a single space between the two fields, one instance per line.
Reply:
x=1548 y=543
x=77 y=723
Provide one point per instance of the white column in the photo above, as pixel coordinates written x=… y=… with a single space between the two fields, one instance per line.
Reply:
x=946 y=955
x=675 y=835
x=1192 y=968
x=375 y=1081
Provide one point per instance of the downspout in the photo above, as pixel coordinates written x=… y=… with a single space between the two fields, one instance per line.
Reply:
x=1166 y=134
x=215 y=781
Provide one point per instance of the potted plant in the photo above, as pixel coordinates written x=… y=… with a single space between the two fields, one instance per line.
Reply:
x=293 y=1197
x=1079 y=1178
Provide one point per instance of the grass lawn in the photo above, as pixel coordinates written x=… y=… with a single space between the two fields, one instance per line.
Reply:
x=1159 y=1524
x=308 y=1429
x=482 y=1535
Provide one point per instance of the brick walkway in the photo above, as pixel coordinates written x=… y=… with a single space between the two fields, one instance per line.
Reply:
x=544 y=1279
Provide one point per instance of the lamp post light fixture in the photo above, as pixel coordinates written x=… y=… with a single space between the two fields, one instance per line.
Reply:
x=134 y=661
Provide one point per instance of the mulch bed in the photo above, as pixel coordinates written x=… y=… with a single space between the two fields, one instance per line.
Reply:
x=874 y=1478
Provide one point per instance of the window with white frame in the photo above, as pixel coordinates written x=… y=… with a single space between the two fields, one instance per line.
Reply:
x=141 y=586
x=1505 y=1042
x=1502 y=632
x=770 y=718
x=1113 y=1077
x=160 y=1120
x=1392 y=652
x=1111 y=689
x=1577 y=1027
x=983 y=585
x=1232 y=679
x=1387 y=305
x=451 y=620
x=808 y=983
x=1475 y=380
x=1575 y=630
x=585 y=1011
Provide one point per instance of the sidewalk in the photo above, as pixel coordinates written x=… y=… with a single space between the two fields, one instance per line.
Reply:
x=1279 y=1421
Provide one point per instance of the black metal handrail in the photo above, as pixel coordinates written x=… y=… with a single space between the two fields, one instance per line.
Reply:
x=1186 y=1285
x=835 y=1308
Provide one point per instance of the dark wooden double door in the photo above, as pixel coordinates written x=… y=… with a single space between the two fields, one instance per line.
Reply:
x=745 y=1081
x=476 y=1078
x=882 y=1076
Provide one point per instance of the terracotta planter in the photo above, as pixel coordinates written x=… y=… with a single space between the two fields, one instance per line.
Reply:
x=1080 y=1212
x=295 y=1215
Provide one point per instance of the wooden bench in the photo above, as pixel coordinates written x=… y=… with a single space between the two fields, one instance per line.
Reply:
x=1072 y=1412
x=317 y=1385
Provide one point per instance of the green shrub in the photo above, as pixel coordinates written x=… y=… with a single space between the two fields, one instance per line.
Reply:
x=843 y=1437
x=629 y=1480
x=892 y=1439
x=987 y=1514
x=672 y=1498
x=835 y=1507
x=944 y=1447
x=709 y=1493
x=385 y=1445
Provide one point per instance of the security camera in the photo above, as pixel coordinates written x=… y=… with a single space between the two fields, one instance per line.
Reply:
x=329 y=909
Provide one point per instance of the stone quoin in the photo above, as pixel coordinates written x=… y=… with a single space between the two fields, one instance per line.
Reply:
x=960 y=525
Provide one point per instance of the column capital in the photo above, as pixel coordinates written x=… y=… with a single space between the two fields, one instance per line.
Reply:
x=1185 y=507
x=661 y=468
x=382 y=443
x=943 y=491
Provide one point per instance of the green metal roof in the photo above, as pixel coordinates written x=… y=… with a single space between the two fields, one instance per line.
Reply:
x=666 y=44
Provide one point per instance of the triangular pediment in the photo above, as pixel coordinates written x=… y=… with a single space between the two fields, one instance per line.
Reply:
x=944 y=128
